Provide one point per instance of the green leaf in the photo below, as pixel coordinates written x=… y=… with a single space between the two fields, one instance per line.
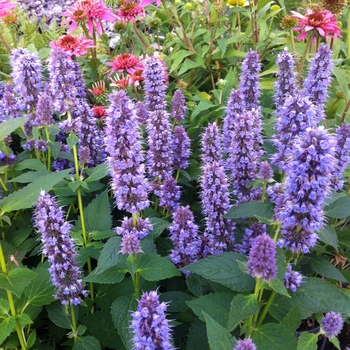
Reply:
x=112 y=275
x=30 y=176
x=216 y=305
x=58 y=315
x=195 y=342
x=324 y=268
x=26 y=196
x=72 y=140
x=8 y=126
x=176 y=300
x=16 y=280
x=32 y=164
x=23 y=320
x=194 y=284
x=87 y=343
x=156 y=268
x=179 y=56
x=292 y=320
x=98 y=173
x=274 y=336
x=342 y=81
x=276 y=285
x=339 y=209
x=219 y=338
x=251 y=210
x=40 y=291
x=328 y=235
x=307 y=341
x=224 y=269
x=202 y=106
x=98 y=235
x=313 y=296
x=187 y=65
x=98 y=214
x=6 y=328
x=4 y=307
x=110 y=255
x=335 y=342
x=159 y=225
x=31 y=339
x=55 y=148
x=121 y=314
x=242 y=306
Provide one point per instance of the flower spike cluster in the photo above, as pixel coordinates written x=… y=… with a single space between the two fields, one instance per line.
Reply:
x=245 y=344
x=292 y=279
x=178 y=106
x=180 y=147
x=58 y=247
x=331 y=324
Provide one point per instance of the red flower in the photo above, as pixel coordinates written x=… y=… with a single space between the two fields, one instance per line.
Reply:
x=129 y=10
x=322 y=22
x=72 y=44
x=125 y=62
x=98 y=88
x=90 y=12
x=120 y=83
x=99 y=112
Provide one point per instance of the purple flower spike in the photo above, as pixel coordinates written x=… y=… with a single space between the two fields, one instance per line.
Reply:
x=255 y=230
x=169 y=194
x=211 y=144
x=262 y=258
x=44 y=109
x=245 y=344
x=286 y=81
x=249 y=80
x=141 y=228
x=265 y=172
x=58 y=247
x=318 y=80
x=10 y=108
x=141 y=113
x=130 y=244
x=331 y=324
x=155 y=79
x=181 y=148
x=149 y=324
x=184 y=235
x=125 y=159
x=179 y=106
x=307 y=185
x=292 y=279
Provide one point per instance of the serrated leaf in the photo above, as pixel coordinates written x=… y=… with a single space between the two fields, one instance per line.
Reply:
x=99 y=172
x=307 y=341
x=292 y=320
x=251 y=210
x=112 y=275
x=98 y=214
x=32 y=164
x=16 y=280
x=26 y=196
x=98 y=235
x=176 y=300
x=23 y=320
x=278 y=286
x=31 y=339
x=339 y=209
x=72 y=140
x=87 y=343
x=324 y=268
x=194 y=342
x=4 y=306
x=194 y=284
x=30 y=176
x=224 y=269
x=242 y=306
x=8 y=126
x=335 y=342
x=58 y=315
x=6 y=328
x=328 y=235
x=40 y=291
x=219 y=338
x=110 y=255
x=156 y=268
x=274 y=336
x=159 y=225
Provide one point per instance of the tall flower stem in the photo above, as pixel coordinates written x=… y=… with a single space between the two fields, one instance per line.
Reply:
x=48 y=148
x=308 y=43
x=292 y=42
x=266 y=309
x=74 y=322
x=20 y=335
x=137 y=278
x=348 y=34
x=257 y=292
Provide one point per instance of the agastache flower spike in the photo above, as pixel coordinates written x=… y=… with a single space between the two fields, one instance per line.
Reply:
x=178 y=106
x=255 y=230
x=58 y=247
x=245 y=344
x=262 y=258
x=150 y=327
x=211 y=144
x=141 y=113
x=307 y=185
x=44 y=109
x=292 y=279
x=125 y=155
x=331 y=324
x=181 y=148
x=10 y=108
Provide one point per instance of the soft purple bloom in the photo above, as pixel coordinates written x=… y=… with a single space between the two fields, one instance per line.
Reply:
x=249 y=80
x=255 y=230
x=58 y=247
x=296 y=115
x=155 y=80
x=9 y=105
x=7 y=160
x=262 y=258
x=219 y=231
x=169 y=194
x=331 y=324
x=44 y=109
x=160 y=155
x=318 y=80
x=63 y=163
x=265 y=172
x=141 y=113
x=178 y=106
x=292 y=279
x=275 y=195
x=307 y=184
x=140 y=228
x=342 y=155
x=125 y=158
x=130 y=244
x=245 y=155
x=245 y=344
x=286 y=79
x=211 y=144
x=32 y=144
x=184 y=235
x=235 y=105
x=181 y=148
x=150 y=327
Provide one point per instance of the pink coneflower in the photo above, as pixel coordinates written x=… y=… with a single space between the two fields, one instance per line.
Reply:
x=89 y=12
x=121 y=83
x=136 y=78
x=99 y=112
x=322 y=22
x=125 y=62
x=129 y=10
x=98 y=88
x=5 y=6
x=144 y=3
x=72 y=44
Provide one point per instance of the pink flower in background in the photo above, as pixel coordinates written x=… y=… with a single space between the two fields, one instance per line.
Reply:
x=5 y=6
x=99 y=112
x=72 y=44
x=144 y=3
x=125 y=62
x=322 y=22
x=129 y=10
x=90 y=12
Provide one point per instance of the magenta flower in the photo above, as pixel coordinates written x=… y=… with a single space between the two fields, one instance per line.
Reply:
x=144 y=3
x=5 y=6
x=322 y=22
x=129 y=10
x=90 y=12
x=125 y=62
x=72 y=44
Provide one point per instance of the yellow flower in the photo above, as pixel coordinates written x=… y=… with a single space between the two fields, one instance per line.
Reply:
x=237 y=3
x=275 y=7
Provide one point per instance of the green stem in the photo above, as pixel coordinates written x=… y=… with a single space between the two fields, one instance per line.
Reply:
x=3 y=184
x=277 y=232
x=348 y=34
x=11 y=302
x=140 y=36
x=48 y=148
x=308 y=42
x=250 y=319
x=177 y=174
x=266 y=309
x=137 y=281
x=74 y=323
x=4 y=42
x=14 y=39
x=263 y=195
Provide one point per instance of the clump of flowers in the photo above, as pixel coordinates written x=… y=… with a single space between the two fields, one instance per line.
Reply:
x=331 y=324
x=181 y=147
x=245 y=344
x=292 y=279
x=73 y=45
x=125 y=62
